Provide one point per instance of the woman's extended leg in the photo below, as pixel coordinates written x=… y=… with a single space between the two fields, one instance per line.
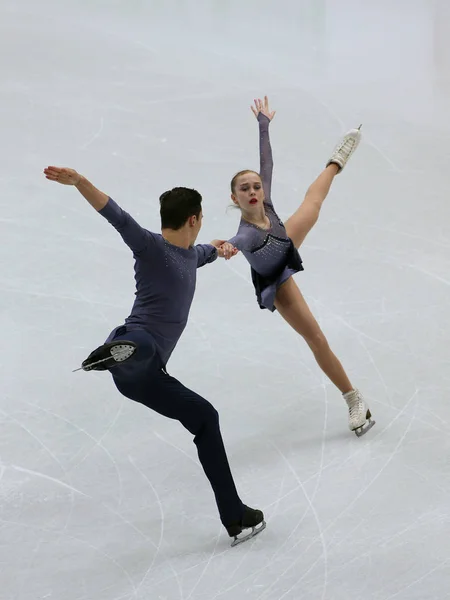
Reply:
x=303 y=220
x=305 y=217
x=293 y=308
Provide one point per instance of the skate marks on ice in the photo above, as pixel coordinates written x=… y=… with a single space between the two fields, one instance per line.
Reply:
x=322 y=531
x=161 y=535
x=292 y=565
x=283 y=543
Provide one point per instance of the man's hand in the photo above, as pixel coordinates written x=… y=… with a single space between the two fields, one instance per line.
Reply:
x=224 y=249
x=62 y=175
x=95 y=197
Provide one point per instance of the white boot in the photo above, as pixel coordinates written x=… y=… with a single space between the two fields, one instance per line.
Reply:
x=359 y=416
x=345 y=148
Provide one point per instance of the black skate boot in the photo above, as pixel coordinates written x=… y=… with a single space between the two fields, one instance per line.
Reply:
x=251 y=519
x=108 y=355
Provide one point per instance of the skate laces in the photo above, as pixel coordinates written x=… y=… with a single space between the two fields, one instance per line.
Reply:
x=346 y=146
x=355 y=403
x=354 y=409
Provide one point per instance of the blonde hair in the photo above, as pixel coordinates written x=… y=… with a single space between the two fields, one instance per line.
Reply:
x=236 y=177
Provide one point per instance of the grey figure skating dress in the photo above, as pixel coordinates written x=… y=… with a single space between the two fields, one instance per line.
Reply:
x=271 y=254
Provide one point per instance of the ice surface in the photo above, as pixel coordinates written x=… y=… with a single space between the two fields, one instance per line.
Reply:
x=100 y=499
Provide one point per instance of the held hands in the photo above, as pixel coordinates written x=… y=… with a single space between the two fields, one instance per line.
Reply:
x=263 y=108
x=62 y=175
x=224 y=249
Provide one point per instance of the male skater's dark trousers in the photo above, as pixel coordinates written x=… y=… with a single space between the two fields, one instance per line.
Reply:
x=143 y=378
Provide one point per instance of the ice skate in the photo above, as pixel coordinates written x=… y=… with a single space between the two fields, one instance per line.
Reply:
x=359 y=416
x=109 y=355
x=345 y=148
x=252 y=519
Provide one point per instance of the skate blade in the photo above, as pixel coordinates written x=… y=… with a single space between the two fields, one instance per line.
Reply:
x=94 y=364
x=244 y=537
x=365 y=428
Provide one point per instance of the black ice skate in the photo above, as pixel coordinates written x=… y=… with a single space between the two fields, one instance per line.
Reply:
x=109 y=355
x=252 y=519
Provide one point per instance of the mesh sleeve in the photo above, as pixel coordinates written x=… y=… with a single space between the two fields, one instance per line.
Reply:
x=265 y=156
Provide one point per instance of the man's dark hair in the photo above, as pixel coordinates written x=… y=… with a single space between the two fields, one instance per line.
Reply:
x=177 y=205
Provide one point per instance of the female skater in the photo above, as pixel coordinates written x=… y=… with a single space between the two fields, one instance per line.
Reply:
x=271 y=248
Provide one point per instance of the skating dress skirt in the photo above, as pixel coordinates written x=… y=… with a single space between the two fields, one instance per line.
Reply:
x=271 y=254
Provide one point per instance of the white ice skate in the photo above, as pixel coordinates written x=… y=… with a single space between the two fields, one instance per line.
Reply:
x=359 y=416
x=345 y=148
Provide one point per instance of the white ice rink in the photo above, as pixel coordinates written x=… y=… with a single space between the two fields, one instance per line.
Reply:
x=100 y=498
